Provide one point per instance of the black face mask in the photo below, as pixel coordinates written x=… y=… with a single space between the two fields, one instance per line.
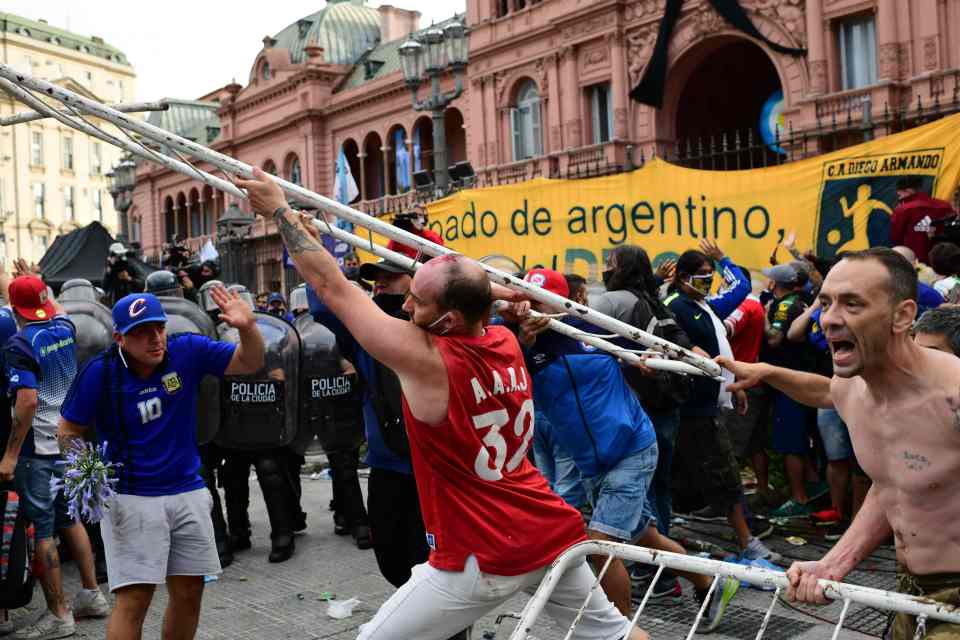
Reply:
x=277 y=312
x=352 y=273
x=390 y=303
x=607 y=277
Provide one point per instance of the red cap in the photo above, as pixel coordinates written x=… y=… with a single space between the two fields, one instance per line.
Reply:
x=29 y=297
x=551 y=280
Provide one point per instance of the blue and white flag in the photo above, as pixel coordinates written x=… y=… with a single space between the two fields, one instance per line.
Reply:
x=403 y=161
x=345 y=188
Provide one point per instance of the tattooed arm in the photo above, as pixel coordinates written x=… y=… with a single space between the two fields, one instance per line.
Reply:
x=398 y=344
x=23 y=412
x=69 y=434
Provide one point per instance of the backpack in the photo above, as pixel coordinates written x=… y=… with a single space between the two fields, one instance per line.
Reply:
x=385 y=396
x=17 y=549
x=663 y=391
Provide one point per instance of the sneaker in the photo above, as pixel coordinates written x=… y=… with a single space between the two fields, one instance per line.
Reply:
x=718 y=604
x=667 y=588
x=361 y=534
x=828 y=516
x=48 y=627
x=709 y=514
x=760 y=529
x=756 y=550
x=791 y=509
x=90 y=603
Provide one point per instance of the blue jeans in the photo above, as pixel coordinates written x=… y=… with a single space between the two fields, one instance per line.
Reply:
x=556 y=465
x=47 y=511
x=666 y=425
x=621 y=506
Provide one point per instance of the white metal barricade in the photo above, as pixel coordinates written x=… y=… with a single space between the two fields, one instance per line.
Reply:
x=924 y=608
x=21 y=86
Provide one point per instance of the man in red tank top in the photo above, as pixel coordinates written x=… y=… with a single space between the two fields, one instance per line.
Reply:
x=492 y=523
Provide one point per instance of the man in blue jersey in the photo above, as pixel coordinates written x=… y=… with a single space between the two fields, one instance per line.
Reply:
x=40 y=363
x=596 y=417
x=141 y=394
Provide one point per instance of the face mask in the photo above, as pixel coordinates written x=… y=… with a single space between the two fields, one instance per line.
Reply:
x=352 y=273
x=702 y=284
x=607 y=277
x=390 y=303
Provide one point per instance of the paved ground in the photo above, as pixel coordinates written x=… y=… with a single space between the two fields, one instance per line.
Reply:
x=254 y=599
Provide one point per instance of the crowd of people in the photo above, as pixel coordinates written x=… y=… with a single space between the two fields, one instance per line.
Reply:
x=495 y=444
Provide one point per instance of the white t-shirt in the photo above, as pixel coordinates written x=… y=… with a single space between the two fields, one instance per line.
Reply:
x=725 y=398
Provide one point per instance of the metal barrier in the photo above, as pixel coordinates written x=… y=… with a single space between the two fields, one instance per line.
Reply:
x=923 y=608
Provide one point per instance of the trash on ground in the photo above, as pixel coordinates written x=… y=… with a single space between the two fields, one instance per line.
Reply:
x=340 y=609
x=796 y=541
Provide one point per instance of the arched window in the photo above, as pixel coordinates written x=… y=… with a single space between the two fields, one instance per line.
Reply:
x=270 y=167
x=265 y=70
x=294 y=174
x=526 y=123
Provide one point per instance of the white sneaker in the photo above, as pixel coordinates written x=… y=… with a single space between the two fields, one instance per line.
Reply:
x=756 y=550
x=48 y=627
x=90 y=603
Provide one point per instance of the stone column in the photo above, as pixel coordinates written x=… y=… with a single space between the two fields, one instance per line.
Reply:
x=491 y=113
x=618 y=87
x=928 y=34
x=363 y=175
x=816 y=48
x=571 y=98
x=553 y=137
x=888 y=49
x=385 y=152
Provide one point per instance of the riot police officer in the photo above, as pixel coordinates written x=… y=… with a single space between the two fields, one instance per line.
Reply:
x=184 y=316
x=258 y=422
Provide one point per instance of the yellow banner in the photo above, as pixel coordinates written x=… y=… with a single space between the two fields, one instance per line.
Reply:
x=833 y=202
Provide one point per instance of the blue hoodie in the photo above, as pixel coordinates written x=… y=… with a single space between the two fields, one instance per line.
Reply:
x=594 y=415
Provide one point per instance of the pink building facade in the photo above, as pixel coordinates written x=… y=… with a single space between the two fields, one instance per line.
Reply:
x=547 y=93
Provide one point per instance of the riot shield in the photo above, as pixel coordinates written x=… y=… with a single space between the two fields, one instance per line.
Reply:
x=329 y=397
x=93 y=321
x=259 y=411
x=184 y=316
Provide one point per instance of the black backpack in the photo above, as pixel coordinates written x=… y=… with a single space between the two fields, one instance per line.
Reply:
x=17 y=548
x=385 y=396
x=664 y=391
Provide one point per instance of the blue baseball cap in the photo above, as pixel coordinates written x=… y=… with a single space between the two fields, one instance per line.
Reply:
x=136 y=309
x=275 y=297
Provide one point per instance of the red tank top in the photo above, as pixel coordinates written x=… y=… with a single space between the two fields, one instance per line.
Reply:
x=478 y=492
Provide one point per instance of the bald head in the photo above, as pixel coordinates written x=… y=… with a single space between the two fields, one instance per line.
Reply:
x=455 y=283
x=907 y=253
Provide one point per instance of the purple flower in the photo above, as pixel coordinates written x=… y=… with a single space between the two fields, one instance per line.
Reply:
x=88 y=481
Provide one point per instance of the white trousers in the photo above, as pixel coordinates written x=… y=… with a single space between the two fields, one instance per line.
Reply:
x=434 y=604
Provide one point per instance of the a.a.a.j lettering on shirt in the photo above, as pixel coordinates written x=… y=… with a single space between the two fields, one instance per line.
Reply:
x=499 y=388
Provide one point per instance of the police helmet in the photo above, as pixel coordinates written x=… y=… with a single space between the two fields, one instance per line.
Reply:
x=164 y=283
x=78 y=289
x=206 y=300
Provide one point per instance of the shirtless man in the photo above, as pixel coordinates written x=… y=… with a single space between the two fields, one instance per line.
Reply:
x=493 y=525
x=900 y=402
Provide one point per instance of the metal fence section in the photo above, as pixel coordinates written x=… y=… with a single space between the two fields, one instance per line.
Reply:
x=923 y=608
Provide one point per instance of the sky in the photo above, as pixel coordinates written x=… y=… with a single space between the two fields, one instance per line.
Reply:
x=184 y=49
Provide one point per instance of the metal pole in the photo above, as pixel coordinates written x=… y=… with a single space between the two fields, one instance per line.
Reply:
x=133 y=107
x=314 y=200
x=440 y=174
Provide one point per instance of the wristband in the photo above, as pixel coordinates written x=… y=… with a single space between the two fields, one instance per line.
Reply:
x=278 y=211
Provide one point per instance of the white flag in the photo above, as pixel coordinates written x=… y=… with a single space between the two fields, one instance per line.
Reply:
x=208 y=251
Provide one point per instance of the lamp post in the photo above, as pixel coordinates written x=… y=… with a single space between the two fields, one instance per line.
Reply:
x=233 y=228
x=444 y=49
x=122 y=180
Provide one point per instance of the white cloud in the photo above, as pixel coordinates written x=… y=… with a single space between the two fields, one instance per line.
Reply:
x=186 y=49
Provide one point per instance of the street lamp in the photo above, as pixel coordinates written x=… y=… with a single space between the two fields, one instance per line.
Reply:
x=122 y=181
x=233 y=228
x=444 y=49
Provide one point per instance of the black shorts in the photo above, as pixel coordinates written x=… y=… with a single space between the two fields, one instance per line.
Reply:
x=704 y=445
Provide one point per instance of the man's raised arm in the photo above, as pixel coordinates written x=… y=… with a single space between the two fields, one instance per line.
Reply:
x=398 y=344
x=806 y=388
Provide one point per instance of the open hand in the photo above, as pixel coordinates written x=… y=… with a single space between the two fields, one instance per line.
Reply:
x=712 y=249
x=264 y=194
x=747 y=374
x=234 y=310
x=666 y=269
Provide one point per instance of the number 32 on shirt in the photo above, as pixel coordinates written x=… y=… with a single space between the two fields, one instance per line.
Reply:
x=494 y=421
